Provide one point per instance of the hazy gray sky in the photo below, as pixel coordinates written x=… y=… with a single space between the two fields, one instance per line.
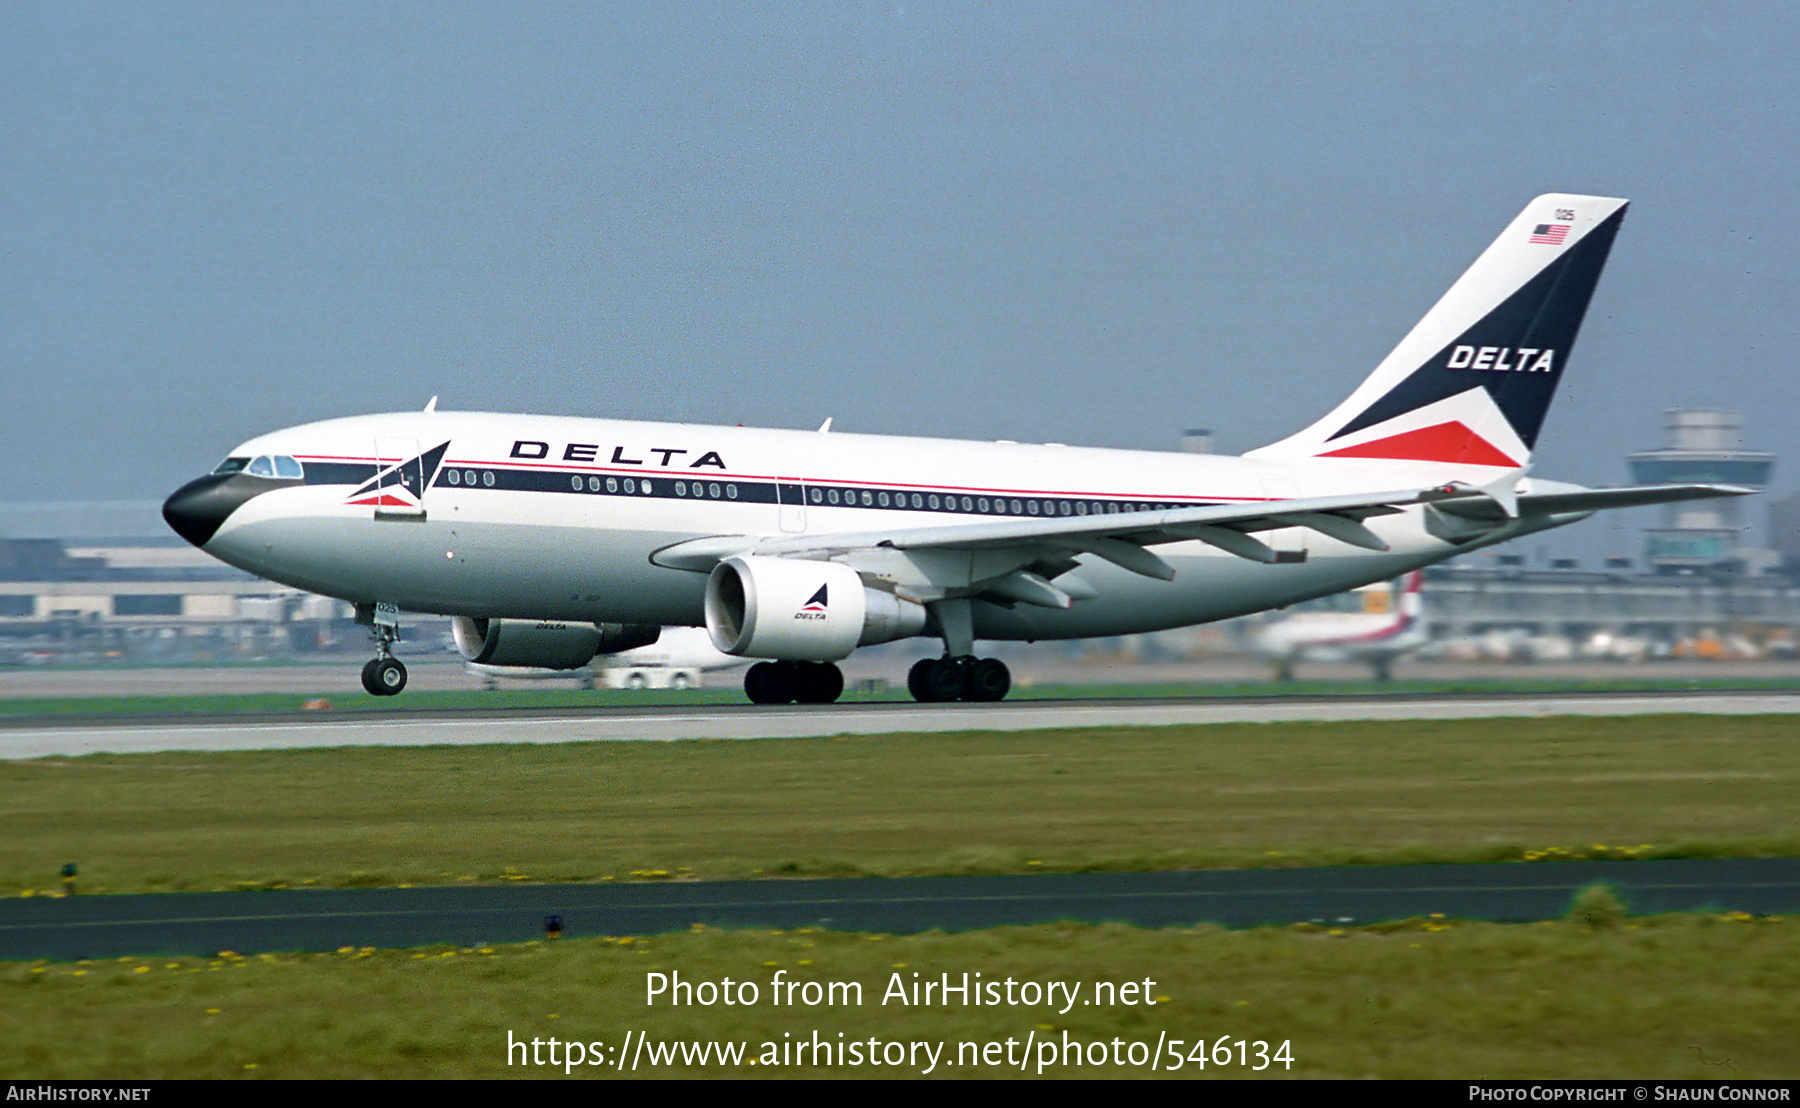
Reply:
x=1091 y=223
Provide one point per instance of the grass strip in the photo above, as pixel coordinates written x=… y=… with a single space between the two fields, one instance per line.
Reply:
x=1224 y=795
x=1671 y=997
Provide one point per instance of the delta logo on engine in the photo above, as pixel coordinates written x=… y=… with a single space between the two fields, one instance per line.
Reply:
x=814 y=608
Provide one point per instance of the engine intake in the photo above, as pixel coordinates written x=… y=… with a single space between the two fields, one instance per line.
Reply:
x=545 y=644
x=801 y=611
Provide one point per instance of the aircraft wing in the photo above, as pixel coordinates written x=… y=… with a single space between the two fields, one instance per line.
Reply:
x=1018 y=559
x=1120 y=538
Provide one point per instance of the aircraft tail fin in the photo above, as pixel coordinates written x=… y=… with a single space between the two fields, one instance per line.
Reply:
x=1472 y=381
x=1412 y=602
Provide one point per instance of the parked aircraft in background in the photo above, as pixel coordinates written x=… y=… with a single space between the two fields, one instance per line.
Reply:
x=677 y=659
x=1389 y=624
x=550 y=540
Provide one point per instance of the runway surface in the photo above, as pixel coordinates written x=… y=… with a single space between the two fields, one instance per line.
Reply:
x=885 y=665
x=36 y=737
x=254 y=922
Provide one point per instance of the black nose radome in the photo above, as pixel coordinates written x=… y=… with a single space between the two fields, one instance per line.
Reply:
x=198 y=509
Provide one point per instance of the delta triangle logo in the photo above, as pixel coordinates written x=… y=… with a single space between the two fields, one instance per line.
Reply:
x=814 y=609
x=403 y=484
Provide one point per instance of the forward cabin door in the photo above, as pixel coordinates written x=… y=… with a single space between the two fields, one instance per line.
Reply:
x=401 y=479
x=790 y=495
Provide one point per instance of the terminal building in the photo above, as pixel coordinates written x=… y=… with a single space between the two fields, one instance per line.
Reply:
x=97 y=581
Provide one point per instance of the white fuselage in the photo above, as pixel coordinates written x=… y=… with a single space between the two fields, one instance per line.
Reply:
x=556 y=518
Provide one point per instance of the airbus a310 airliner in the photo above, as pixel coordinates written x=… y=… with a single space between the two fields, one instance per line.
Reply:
x=549 y=540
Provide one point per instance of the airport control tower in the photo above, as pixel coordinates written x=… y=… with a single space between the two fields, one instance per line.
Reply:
x=1704 y=446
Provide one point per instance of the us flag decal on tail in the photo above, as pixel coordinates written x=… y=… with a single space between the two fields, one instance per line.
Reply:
x=1550 y=234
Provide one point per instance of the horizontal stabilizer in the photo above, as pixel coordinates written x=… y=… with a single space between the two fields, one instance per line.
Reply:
x=1475 y=504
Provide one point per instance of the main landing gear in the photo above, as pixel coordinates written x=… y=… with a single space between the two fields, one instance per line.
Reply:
x=384 y=675
x=963 y=678
x=793 y=683
x=958 y=675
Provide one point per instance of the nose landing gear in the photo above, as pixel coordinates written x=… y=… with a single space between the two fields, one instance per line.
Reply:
x=383 y=675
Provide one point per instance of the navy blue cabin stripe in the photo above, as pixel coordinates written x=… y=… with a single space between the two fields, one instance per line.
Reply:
x=729 y=490
x=338 y=473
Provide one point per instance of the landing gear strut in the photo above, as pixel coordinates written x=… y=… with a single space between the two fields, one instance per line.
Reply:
x=793 y=682
x=934 y=680
x=958 y=675
x=383 y=675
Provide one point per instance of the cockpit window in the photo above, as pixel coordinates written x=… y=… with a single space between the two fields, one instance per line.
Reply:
x=276 y=465
x=232 y=465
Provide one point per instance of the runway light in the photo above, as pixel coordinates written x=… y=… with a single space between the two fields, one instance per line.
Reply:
x=552 y=927
x=68 y=876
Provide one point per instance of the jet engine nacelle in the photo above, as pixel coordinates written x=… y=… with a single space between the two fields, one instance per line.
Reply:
x=801 y=611
x=544 y=644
